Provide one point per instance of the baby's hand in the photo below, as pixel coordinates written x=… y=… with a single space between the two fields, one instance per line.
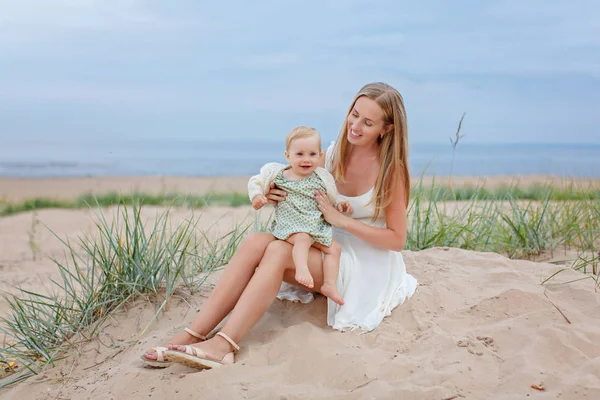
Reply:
x=345 y=207
x=259 y=201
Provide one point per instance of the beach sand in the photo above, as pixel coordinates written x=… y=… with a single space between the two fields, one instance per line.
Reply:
x=480 y=325
x=18 y=189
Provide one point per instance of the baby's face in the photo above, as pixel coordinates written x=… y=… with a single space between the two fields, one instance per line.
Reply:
x=304 y=155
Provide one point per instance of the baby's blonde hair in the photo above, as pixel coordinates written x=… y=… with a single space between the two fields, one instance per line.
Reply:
x=301 y=132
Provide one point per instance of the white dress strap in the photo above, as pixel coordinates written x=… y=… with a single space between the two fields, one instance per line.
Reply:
x=329 y=156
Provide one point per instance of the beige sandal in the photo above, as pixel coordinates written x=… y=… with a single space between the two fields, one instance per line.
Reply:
x=196 y=358
x=160 y=361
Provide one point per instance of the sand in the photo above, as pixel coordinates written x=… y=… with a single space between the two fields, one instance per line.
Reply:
x=479 y=327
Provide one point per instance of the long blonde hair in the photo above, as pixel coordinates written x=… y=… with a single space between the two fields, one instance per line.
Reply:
x=393 y=153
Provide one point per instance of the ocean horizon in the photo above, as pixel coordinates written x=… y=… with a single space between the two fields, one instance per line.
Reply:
x=20 y=158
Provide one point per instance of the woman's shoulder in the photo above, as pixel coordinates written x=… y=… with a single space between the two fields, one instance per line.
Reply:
x=329 y=155
x=330 y=148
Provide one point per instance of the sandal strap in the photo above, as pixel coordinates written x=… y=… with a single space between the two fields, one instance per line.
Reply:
x=159 y=353
x=231 y=342
x=194 y=351
x=195 y=334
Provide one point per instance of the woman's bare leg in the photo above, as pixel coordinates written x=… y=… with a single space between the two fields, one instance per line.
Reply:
x=259 y=294
x=226 y=293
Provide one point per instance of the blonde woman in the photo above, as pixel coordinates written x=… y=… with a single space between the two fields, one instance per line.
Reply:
x=370 y=166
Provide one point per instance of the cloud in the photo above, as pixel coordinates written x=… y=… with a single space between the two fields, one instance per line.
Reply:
x=262 y=61
x=524 y=68
x=27 y=24
x=391 y=39
x=78 y=92
x=60 y=15
x=505 y=37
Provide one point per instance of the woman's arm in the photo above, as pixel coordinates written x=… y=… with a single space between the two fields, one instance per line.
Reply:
x=274 y=195
x=393 y=237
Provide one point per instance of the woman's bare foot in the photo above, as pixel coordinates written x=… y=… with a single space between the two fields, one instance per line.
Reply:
x=215 y=348
x=182 y=338
x=329 y=290
x=304 y=277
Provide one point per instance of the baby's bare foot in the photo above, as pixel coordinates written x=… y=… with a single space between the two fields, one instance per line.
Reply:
x=331 y=291
x=304 y=277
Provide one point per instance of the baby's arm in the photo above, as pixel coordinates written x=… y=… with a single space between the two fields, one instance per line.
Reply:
x=259 y=201
x=258 y=185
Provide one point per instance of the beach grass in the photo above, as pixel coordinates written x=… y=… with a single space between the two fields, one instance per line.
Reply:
x=127 y=259
x=433 y=192
x=515 y=227
x=114 y=198
x=522 y=229
x=122 y=261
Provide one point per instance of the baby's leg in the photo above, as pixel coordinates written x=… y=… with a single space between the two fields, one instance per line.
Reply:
x=302 y=242
x=331 y=267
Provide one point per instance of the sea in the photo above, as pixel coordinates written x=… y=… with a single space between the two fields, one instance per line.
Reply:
x=213 y=157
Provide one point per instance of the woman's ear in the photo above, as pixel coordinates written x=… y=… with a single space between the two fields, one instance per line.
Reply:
x=386 y=130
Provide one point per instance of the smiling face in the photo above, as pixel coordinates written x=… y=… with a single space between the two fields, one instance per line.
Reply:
x=366 y=122
x=376 y=123
x=304 y=154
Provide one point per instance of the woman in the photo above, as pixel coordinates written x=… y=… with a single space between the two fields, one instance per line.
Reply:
x=369 y=163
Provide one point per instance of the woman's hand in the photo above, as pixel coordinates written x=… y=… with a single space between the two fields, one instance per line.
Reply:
x=274 y=196
x=331 y=215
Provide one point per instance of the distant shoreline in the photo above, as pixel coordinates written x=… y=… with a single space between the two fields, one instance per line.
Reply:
x=19 y=189
x=199 y=158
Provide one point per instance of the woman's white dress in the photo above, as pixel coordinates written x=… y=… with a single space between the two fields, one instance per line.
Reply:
x=372 y=281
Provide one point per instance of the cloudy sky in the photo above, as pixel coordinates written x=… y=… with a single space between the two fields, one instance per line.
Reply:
x=523 y=71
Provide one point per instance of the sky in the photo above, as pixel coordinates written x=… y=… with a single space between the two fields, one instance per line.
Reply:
x=523 y=71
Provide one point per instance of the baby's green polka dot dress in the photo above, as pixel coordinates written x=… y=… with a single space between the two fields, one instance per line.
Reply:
x=299 y=211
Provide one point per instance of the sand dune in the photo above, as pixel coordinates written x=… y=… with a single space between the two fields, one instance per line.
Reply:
x=492 y=341
x=479 y=327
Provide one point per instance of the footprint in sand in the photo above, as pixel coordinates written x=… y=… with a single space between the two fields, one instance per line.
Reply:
x=471 y=346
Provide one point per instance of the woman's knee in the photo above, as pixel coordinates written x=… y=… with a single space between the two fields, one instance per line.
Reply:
x=278 y=248
x=251 y=250
x=277 y=255
x=256 y=242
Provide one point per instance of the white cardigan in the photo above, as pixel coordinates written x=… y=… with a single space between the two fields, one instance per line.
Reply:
x=260 y=184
